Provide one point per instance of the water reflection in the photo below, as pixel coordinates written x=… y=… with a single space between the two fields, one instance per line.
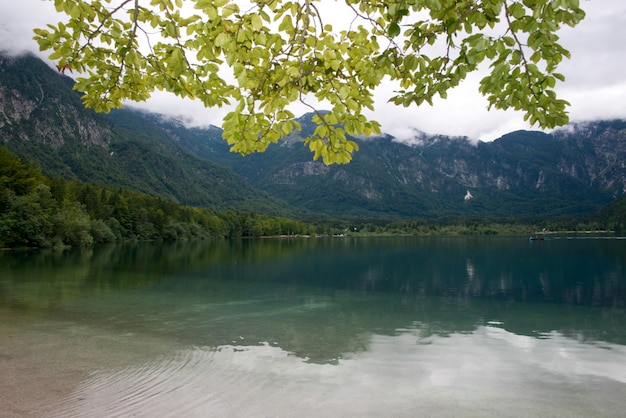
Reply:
x=459 y=282
x=581 y=272
x=490 y=320
x=403 y=375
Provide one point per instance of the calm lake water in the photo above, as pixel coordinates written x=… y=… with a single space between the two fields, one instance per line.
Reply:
x=333 y=327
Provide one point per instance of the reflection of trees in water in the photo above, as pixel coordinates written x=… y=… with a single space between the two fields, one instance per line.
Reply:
x=324 y=298
x=505 y=269
x=36 y=280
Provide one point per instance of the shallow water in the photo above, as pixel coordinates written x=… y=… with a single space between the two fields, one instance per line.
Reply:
x=312 y=327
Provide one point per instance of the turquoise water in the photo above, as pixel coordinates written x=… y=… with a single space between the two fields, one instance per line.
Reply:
x=340 y=327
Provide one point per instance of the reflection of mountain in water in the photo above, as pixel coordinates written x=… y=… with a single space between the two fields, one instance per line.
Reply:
x=323 y=299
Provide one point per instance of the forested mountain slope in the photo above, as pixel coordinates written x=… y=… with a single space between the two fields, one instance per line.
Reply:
x=43 y=120
x=571 y=172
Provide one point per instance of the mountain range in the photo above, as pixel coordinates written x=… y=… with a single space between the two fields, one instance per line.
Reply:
x=572 y=171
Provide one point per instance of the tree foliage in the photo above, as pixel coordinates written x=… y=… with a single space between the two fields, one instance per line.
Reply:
x=264 y=55
x=36 y=211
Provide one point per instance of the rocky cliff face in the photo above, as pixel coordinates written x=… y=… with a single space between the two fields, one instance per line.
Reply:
x=289 y=174
x=595 y=153
x=31 y=111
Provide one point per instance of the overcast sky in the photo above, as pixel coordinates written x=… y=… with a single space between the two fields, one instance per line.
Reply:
x=595 y=78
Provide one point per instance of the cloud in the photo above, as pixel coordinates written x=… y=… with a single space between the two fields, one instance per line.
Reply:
x=17 y=21
x=595 y=85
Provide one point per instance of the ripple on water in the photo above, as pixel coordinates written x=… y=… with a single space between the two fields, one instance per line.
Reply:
x=146 y=390
x=448 y=377
x=191 y=383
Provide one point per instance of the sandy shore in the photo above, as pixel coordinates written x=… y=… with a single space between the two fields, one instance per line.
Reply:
x=42 y=365
x=36 y=372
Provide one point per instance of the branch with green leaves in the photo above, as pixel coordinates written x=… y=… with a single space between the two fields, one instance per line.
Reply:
x=262 y=56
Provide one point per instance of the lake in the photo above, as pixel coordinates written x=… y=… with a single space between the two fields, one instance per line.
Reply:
x=310 y=327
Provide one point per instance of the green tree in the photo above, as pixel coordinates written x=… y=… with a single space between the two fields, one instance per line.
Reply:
x=17 y=176
x=267 y=54
x=72 y=225
x=28 y=221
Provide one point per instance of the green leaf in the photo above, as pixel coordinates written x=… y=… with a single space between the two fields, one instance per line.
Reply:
x=517 y=10
x=393 y=30
x=256 y=21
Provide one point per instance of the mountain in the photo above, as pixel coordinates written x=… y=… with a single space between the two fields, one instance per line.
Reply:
x=529 y=174
x=43 y=120
x=525 y=174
